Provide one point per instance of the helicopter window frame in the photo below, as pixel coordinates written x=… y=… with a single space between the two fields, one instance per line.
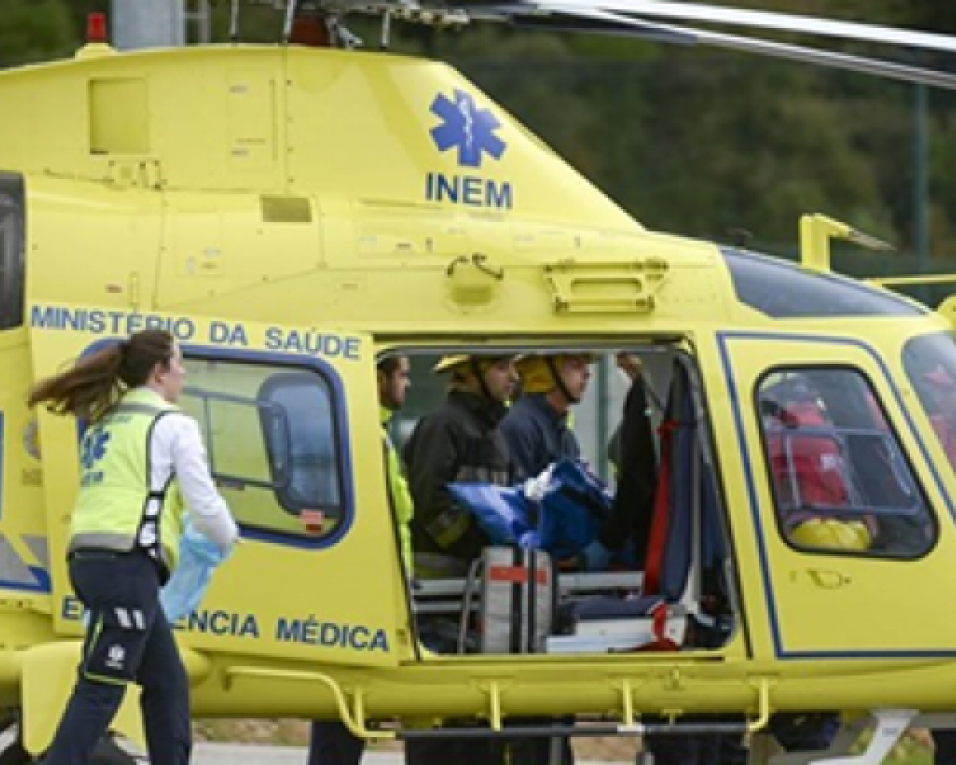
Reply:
x=12 y=251
x=921 y=510
x=276 y=430
x=287 y=498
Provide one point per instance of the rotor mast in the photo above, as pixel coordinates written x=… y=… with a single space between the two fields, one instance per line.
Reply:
x=148 y=23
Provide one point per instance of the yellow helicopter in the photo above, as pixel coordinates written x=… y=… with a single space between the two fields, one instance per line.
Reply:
x=218 y=192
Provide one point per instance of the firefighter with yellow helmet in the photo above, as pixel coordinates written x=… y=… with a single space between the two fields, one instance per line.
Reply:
x=459 y=441
x=538 y=434
x=536 y=427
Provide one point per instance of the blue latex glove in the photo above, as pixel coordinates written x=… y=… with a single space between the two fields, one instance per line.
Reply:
x=198 y=558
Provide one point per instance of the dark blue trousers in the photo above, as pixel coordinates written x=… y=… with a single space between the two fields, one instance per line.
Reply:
x=683 y=749
x=795 y=733
x=332 y=743
x=945 y=741
x=127 y=639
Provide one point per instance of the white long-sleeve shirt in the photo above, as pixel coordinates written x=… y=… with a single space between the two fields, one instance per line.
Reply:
x=176 y=447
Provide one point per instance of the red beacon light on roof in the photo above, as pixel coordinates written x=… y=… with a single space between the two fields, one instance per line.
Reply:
x=96 y=42
x=96 y=28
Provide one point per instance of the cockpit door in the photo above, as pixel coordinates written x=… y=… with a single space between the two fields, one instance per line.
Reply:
x=851 y=526
x=290 y=420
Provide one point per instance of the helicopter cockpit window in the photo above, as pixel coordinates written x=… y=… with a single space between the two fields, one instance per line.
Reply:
x=839 y=478
x=930 y=363
x=12 y=265
x=271 y=437
x=304 y=444
x=784 y=291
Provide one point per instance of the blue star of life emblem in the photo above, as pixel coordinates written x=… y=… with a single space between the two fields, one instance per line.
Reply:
x=94 y=448
x=466 y=127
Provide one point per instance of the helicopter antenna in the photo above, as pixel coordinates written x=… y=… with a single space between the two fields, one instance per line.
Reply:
x=386 y=30
x=342 y=34
x=234 y=22
x=290 y=10
x=817 y=230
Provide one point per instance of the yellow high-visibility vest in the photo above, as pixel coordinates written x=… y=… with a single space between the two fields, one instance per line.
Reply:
x=117 y=509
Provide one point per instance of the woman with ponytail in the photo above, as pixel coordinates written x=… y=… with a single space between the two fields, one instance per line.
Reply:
x=140 y=458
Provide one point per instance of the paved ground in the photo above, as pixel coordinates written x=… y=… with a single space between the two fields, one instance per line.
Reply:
x=248 y=754
x=231 y=754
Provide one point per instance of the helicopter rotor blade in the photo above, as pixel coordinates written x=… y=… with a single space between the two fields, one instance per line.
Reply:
x=780 y=22
x=862 y=64
x=586 y=20
x=576 y=17
x=613 y=17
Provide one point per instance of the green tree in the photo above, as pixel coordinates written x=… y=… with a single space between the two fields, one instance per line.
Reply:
x=34 y=31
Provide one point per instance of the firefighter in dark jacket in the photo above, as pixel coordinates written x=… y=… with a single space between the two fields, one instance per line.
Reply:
x=459 y=441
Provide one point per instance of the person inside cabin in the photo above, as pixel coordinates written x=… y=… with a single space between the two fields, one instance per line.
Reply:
x=331 y=743
x=459 y=441
x=536 y=426
x=633 y=454
x=537 y=432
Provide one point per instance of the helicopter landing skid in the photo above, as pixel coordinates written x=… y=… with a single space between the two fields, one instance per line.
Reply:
x=887 y=726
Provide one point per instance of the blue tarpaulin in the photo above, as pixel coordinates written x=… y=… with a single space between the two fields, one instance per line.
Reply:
x=561 y=511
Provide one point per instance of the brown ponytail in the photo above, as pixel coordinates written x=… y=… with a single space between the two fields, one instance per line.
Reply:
x=94 y=385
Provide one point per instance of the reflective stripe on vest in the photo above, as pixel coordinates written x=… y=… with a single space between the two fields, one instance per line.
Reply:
x=117 y=507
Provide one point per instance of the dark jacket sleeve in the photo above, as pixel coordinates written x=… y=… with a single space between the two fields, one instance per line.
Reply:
x=433 y=457
x=633 y=505
x=430 y=459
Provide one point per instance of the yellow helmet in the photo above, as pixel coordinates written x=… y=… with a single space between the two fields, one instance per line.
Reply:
x=537 y=372
x=831 y=534
x=447 y=363
x=453 y=361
